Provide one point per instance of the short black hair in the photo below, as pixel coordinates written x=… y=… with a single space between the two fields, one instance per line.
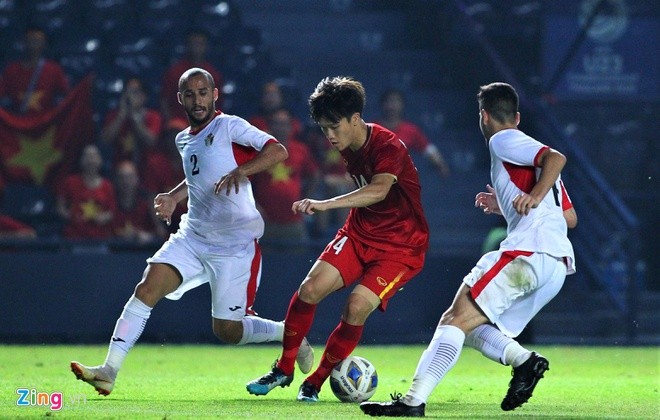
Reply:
x=335 y=98
x=391 y=92
x=500 y=100
x=194 y=72
x=197 y=32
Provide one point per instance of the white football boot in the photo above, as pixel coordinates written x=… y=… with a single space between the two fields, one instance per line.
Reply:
x=102 y=378
x=305 y=357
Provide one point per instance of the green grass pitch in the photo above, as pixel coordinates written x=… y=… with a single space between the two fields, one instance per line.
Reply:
x=206 y=381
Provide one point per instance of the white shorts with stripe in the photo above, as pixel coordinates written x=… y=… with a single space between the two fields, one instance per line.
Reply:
x=511 y=287
x=233 y=273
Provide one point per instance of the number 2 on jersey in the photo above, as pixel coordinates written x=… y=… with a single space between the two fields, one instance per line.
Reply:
x=193 y=160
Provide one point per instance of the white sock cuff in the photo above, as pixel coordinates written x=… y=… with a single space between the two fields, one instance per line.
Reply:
x=450 y=333
x=138 y=308
x=247 y=331
x=261 y=330
x=490 y=341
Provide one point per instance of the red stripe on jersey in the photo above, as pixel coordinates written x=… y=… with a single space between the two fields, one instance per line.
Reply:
x=566 y=202
x=507 y=257
x=244 y=154
x=523 y=177
x=254 y=276
x=538 y=155
x=195 y=132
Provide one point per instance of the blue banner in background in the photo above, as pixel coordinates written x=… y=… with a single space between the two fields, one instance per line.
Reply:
x=617 y=58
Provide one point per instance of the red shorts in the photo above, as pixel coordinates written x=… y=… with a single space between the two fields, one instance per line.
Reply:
x=382 y=272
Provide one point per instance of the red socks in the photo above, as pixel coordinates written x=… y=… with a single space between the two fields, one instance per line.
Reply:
x=341 y=343
x=297 y=323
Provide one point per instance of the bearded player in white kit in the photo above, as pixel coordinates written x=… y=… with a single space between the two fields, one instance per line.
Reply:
x=217 y=240
x=507 y=287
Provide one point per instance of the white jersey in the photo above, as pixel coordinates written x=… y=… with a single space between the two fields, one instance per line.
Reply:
x=513 y=170
x=208 y=154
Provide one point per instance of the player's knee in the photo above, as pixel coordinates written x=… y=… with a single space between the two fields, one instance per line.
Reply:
x=229 y=332
x=310 y=293
x=148 y=294
x=448 y=317
x=357 y=310
x=157 y=281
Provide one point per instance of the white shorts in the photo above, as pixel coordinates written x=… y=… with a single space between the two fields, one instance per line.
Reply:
x=233 y=273
x=511 y=287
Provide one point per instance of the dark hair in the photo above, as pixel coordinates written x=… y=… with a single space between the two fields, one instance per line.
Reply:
x=500 y=100
x=134 y=76
x=336 y=98
x=197 y=32
x=194 y=72
x=391 y=92
x=37 y=28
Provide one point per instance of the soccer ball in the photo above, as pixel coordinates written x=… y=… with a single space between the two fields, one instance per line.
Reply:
x=354 y=379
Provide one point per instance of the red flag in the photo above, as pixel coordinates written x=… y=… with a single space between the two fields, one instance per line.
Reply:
x=44 y=149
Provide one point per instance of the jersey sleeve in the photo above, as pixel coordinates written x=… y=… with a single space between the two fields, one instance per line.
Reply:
x=245 y=134
x=388 y=157
x=566 y=202
x=522 y=151
x=418 y=140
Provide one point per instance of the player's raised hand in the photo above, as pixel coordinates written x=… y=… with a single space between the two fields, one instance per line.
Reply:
x=232 y=179
x=164 y=204
x=308 y=206
x=487 y=201
x=523 y=203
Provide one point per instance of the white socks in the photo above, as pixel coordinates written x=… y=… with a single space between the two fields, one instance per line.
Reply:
x=440 y=356
x=128 y=329
x=496 y=346
x=260 y=330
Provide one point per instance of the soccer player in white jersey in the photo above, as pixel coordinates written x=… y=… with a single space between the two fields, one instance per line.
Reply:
x=507 y=287
x=217 y=241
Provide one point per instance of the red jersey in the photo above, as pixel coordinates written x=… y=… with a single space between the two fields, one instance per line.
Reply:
x=170 y=85
x=85 y=204
x=52 y=83
x=162 y=175
x=126 y=146
x=397 y=223
x=137 y=218
x=261 y=122
x=412 y=136
x=278 y=187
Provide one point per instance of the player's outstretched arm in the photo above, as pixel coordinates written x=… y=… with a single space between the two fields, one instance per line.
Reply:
x=362 y=197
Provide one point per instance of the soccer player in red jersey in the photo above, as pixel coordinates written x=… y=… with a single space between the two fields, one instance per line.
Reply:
x=380 y=247
x=392 y=109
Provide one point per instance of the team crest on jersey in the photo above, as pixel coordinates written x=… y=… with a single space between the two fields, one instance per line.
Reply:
x=209 y=139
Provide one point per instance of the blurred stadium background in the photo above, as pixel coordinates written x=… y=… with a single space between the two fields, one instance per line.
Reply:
x=587 y=74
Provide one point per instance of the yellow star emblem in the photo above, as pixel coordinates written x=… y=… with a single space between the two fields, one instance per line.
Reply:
x=332 y=156
x=34 y=101
x=89 y=209
x=128 y=143
x=127 y=230
x=280 y=172
x=36 y=154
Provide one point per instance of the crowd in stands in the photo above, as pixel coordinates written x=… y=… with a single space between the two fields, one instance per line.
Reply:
x=106 y=181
